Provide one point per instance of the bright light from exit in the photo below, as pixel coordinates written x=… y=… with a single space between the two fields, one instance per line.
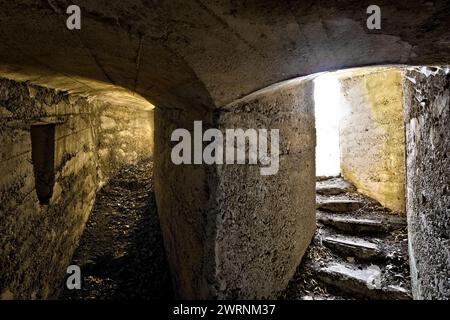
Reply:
x=327 y=110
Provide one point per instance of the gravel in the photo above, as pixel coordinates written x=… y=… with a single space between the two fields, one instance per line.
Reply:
x=121 y=253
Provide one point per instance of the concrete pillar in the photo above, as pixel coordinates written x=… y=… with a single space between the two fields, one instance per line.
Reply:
x=427 y=112
x=183 y=195
x=229 y=231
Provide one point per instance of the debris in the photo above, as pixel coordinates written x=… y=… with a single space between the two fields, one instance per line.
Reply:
x=121 y=252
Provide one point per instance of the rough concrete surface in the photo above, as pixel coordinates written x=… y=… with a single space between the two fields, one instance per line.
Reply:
x=371 y=134
x=265 y=223
x=183 y=194
x=427 y=109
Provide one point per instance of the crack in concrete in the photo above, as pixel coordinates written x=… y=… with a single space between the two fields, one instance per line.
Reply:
x=58 y=12
x=298 y=23
x=228 y=27
x=326 y=31
x=138 y=61
x=54 y=7
x=93 y=56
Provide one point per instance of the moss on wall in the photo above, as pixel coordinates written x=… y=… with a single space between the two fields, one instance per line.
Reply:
x=372 y=140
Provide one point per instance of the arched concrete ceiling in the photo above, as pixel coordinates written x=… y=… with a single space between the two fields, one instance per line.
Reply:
x=195 y=53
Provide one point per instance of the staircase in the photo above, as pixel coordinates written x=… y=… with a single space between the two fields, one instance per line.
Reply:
x=359 y=250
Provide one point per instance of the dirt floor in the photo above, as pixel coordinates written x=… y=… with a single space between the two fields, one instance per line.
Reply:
x=121 y=253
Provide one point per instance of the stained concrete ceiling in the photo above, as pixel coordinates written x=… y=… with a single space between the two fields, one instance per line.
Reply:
x=182 y=53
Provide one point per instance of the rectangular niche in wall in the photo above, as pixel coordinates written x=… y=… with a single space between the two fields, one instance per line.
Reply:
x=43 y=157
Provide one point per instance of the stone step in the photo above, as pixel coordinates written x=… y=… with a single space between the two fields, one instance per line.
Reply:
x=334 y=186
x=361 y=281
x=322 y=297
x=323 y=178
x=362 y=223
x=354 y=247
x=338 y=205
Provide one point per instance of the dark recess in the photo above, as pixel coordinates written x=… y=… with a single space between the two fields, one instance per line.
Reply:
x=43 y=156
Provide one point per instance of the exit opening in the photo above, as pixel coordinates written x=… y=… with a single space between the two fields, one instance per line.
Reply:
x=327 y=99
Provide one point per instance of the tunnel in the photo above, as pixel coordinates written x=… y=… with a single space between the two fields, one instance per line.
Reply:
x=79 y=107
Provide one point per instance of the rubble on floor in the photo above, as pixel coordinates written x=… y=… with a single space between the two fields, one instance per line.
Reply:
x=359 y=251
x=121 y=252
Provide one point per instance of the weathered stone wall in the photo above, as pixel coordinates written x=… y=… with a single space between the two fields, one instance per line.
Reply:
x=37 y=240
x=427 y=110
x=371 y=138
x=229 y=231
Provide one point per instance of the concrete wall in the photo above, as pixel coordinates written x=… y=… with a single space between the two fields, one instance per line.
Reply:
x=372 y=135
x=37 y=241
x=265 y=223
x=183 y=194
x=427 y=109
x=229 y=231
